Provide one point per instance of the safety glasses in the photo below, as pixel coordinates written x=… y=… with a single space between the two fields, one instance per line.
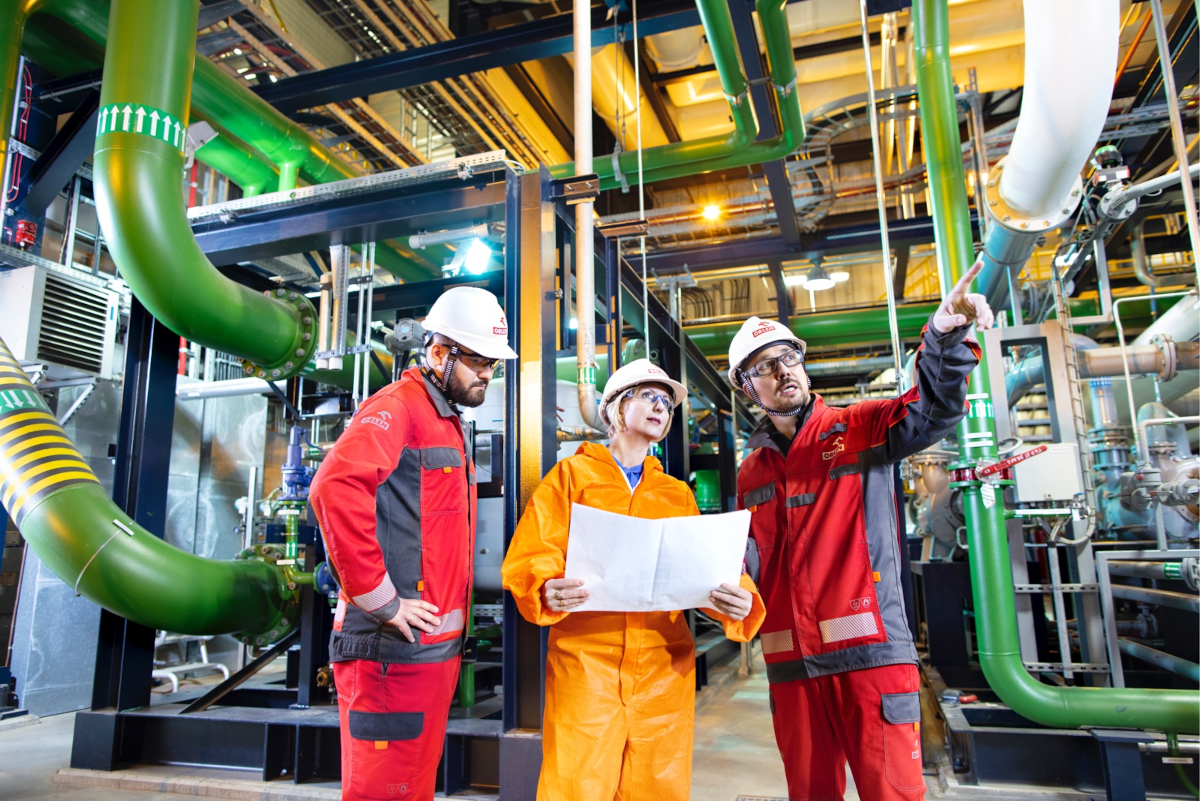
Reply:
x=476 y=362
x=651 y=397
x=769 y=366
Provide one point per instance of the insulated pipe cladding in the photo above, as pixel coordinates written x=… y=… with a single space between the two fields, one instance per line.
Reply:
x=75 y=528
x=1070 y=58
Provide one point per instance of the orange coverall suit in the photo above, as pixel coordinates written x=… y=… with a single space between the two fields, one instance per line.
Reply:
x=620 y=687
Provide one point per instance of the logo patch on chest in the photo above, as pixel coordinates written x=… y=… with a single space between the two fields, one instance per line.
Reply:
x=860 y=603
x=836 y=447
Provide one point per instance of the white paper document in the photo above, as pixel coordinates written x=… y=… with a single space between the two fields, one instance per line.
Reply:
x=635 y=565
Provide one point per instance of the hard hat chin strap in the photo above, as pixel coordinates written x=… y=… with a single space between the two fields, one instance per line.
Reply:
x=748 y=386
x=443 y=383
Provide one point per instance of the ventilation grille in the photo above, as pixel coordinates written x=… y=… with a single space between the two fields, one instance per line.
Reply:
x=74 y=317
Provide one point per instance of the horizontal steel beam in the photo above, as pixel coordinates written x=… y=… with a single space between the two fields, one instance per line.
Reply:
x=348 y=220
x=515 y=44
x=760 y=250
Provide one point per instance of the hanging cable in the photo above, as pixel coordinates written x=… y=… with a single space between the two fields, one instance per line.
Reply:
x=637 y=104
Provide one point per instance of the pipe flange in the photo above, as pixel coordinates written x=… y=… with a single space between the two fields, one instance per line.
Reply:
x=1020 y=222
x=303 y=345
x=1168 y=364
x=285 y=616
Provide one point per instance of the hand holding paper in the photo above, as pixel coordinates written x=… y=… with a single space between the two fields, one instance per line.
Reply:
x=630 y=564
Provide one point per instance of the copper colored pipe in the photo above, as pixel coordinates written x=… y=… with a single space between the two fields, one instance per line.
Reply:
x=1137 y=40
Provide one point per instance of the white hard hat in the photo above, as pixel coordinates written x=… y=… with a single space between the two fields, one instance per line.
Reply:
x=754 y=335
x=472 y=317
x=640 y=371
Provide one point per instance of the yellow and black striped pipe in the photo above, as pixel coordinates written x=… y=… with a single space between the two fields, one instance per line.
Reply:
x=64 y=514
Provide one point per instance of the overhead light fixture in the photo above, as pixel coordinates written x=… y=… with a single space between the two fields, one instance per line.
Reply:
x=478 y=256
x=574 y=324
x=818 y=279
x=712 y=213
x=839 y=276
x=237 y=51
x=273 y=79
x=794 y=280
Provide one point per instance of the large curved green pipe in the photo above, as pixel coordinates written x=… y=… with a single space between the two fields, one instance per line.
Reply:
x=224 y=101
x=141 y=208
x=64 y=514
x=991 y=571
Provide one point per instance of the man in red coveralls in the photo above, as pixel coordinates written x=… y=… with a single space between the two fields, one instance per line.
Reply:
x=395 y=499
x=819 y=484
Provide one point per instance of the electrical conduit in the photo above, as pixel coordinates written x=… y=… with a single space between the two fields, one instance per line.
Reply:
x=1070 y=59
x=991 y=571
x=74 y=527
x=138 y=162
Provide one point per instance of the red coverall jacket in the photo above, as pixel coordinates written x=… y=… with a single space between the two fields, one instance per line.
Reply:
x=395 y=500
x=825 y=519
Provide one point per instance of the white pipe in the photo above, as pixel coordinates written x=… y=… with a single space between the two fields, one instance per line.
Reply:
x=422 y=241
x=1070 y=62
x=585 y=268
x=199 y=390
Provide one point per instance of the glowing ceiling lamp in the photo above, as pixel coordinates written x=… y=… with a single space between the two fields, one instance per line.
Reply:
x=477 y=258
x=818 y=279
x=794 y=280
x=711 y=213
x=839 y=276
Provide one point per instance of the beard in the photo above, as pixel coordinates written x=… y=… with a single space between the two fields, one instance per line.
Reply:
x=788 y=403
x=466 y=388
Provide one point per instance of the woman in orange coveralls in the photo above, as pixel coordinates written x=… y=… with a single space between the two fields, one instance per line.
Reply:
x=620 y=687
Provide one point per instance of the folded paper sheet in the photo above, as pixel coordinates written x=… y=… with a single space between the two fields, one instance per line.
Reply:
x=635 y=565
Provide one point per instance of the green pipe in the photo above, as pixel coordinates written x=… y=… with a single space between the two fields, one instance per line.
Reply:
x=772 y=15
x=223 y=100
x=344 y=378
x=991 y=570
x=852 y=327
x=141 y=208
x=243 y=165
x=52 y=44
x=64 y=514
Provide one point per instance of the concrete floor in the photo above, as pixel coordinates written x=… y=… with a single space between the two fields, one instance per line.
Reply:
x=735 y=758
x=735 y=754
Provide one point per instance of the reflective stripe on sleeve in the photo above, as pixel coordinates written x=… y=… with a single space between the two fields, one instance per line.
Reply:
x=378 y=597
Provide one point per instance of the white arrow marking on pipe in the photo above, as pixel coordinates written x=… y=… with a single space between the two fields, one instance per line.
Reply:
x=167 y=128
x=177 y=129
x=100 y=123
x=154 y=123
x=141 y=117
x=126 y=112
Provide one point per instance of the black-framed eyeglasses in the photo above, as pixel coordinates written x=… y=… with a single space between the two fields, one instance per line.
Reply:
x=651 y=397
x=767 y=367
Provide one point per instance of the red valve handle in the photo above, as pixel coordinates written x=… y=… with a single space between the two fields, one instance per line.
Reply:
x=1004 y=464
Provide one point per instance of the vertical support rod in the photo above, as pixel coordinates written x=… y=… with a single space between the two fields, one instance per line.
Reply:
x=1177 y=137
x=67 y=253
x=881 y=199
